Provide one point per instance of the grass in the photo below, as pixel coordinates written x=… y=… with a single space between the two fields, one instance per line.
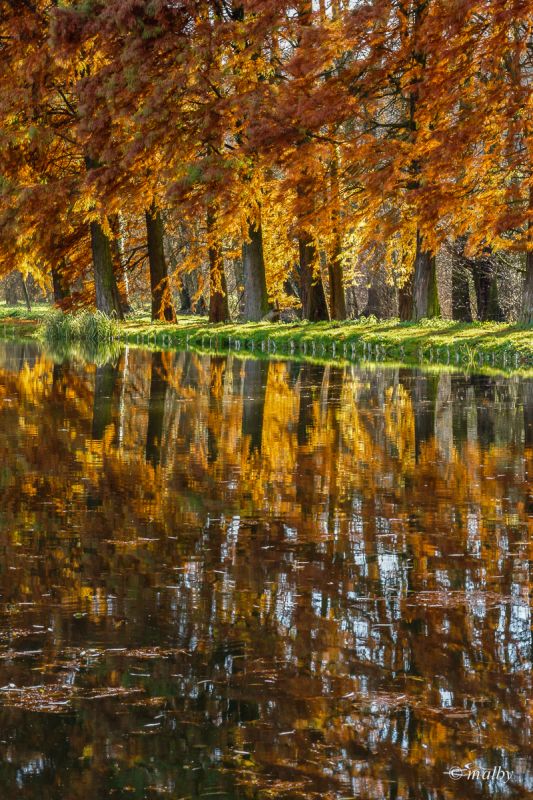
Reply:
x=435 y=341
x=85 y=326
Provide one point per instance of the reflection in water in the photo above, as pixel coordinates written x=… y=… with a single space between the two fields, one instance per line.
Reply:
x=242 y=579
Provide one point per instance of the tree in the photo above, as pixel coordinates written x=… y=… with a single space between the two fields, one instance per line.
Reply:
x=162 y=303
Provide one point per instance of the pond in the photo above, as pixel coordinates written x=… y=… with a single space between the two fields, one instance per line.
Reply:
x=236 y=578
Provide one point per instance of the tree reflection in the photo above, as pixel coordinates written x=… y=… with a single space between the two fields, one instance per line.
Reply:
x=306 y=581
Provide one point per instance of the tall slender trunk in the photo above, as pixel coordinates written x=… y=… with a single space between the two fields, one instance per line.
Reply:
x=59 y=281
x=373 y=306
x=107 y=294
x=337 y=295
x=117 y=254
x=218 y=290
x=314 y=305
x=25 y=292
x=105 y=284
x=425 y=292
x=336 y=289
x=461 y=307
x=185 y=298
x=256 y=303
x=486 y=286
x=526 y=311
x=162 y=302
x=11 y=289
x=425 y=295
x=352 y=308
x=527 y=403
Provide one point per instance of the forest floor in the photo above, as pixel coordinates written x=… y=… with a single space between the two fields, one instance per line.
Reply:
x=438 y=341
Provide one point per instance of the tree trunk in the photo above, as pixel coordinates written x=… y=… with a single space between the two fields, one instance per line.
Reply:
x=11 y=289
x=256 y=303
x=337 y=295
x=59 y=282
x=105 y=284
x=481 y=272
x=526 y=312
x=162 y=302
x=185 y=299
x=461 y=308
x=336 y=288
x=425 y=293
x=117 y=254
x=405 y=300
x=314 y=303
x=527 y=403
x=25 y=292
x=107 y=294
x=494 y=310
x=488 y=306
x=218 y=290
x=381 y=296
x=352 y=309
x=372 y=308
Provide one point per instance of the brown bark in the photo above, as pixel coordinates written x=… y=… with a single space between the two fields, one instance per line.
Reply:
x=526 y=311
x=425 y=294
x=312 y=293
x=461 y=307
x=256 y=303
x=381 y=296
x=25 y=292
x=105 y=284
x=405 y=300
x=11 y=289
x=185 y=299
x=117 y=255
x=336 y=289
x=485 y=284
x=59 y=282
x=337 y=295
x=218 y=290
x=162 y=302
x=107 y=294
x=352 y=308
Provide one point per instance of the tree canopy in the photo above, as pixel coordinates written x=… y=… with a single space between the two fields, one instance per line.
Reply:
x=304 y=141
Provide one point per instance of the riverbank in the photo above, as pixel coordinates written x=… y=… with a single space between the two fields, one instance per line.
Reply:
x=434 y=341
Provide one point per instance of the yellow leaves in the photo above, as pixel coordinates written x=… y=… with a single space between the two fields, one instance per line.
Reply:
x=280 y=250
x=400 y=251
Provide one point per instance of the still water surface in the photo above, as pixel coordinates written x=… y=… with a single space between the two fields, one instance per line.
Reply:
x=225 y=578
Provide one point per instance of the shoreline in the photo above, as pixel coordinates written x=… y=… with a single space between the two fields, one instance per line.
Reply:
x=501 y=346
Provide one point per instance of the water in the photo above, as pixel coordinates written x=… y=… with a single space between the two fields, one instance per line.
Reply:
x=249 y=579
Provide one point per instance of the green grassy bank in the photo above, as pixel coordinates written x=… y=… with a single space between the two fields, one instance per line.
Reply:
x=435 y=341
